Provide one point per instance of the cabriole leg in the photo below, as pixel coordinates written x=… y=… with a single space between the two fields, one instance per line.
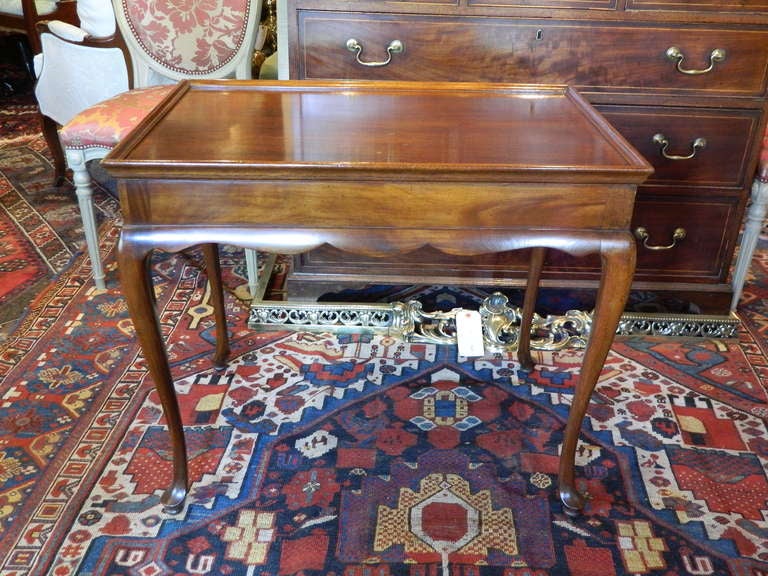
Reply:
x=133 y=259
x=618 y=266
x=213 y=267
x=529 y=306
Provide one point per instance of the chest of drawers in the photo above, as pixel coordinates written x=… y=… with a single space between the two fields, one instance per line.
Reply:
x=684 y=82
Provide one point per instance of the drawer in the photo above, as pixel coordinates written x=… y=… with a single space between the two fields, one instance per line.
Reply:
x=685 y=240
x=593 y=55
x=580 y=4
x=704 y=147
x=709 y=225
x=687 y=5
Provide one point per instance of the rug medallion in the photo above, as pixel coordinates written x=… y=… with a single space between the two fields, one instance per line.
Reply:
x=354 y=454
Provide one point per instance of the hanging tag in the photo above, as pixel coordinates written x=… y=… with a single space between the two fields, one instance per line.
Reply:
x=469 y=333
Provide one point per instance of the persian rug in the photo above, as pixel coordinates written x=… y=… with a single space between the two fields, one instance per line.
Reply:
x=364 y=455
x=18 y=118
x=40 y=225
x=18 y=109
x=753 y=305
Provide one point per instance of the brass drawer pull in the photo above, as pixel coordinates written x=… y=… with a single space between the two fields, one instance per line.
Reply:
x=663 y=142
x=642 y=234
x=395 y=47
x=674 y=53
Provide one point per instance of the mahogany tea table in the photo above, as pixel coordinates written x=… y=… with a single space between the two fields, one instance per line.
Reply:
x=376 y=168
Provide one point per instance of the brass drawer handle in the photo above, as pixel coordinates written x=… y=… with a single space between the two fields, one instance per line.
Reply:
x=663 y=142
x=395 y=47
x=674 y=53
x=642 y=234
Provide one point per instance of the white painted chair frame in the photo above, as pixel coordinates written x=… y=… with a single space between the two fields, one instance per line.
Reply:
x=753 y=225
x=62 y=104
x=72 y=77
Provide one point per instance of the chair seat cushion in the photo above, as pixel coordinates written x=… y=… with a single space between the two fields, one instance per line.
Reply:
x=762 y=169
x=103 y=125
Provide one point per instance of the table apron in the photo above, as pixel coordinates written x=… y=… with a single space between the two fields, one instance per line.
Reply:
x=376 y=241
x=324 y=204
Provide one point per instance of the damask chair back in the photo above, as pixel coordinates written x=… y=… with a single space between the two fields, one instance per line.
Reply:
x=125 y=71
x=170 y=41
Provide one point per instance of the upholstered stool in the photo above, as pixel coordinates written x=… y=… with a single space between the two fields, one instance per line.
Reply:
x=753 y=224
x=91 y=135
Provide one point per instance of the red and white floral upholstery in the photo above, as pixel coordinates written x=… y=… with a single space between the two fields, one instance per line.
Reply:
x=90 y=135
x=106 y=123
x=170 y=40
x=83 y=81
x=753 y=225
x=169 y=32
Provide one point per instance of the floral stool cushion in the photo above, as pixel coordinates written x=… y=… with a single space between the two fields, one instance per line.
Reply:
x=762 y=169
x=103 y=125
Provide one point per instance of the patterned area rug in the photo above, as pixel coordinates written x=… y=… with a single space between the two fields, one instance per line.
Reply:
x=18 y=120
x=753 y=305
x=354 y=455
x=18 y=109
x=40 y=226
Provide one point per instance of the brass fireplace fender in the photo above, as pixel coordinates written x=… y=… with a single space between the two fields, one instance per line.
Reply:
x=408 y=321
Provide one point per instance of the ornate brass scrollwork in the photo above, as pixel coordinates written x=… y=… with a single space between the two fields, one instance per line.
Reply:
x=663 y=142
x=674 y=54
x=642 y=234
x=408 y=321
x=395 y=47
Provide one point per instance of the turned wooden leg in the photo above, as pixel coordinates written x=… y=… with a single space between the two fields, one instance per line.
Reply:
x=252 y=270
x=213 y=267
x=529 y=306
x=51 y=135
x=84 y=189
x=133 y=258
x=618 y=261
x=754 y=224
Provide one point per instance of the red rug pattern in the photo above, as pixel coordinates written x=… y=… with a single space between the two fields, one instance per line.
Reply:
x=40 y=224
x=320 y=454
x=316 y=454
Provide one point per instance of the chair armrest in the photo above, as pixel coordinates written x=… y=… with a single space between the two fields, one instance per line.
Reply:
x=67 y=31
x=78 y=36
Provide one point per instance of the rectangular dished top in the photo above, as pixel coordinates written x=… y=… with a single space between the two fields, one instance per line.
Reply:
x=314 y=129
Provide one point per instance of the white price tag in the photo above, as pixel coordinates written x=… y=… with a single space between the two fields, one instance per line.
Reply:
x=469 y=333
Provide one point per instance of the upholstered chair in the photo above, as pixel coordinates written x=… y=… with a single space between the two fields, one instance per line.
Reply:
x=98 y=82
x=753 y=224
x=23 y=16
x=172 y=42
